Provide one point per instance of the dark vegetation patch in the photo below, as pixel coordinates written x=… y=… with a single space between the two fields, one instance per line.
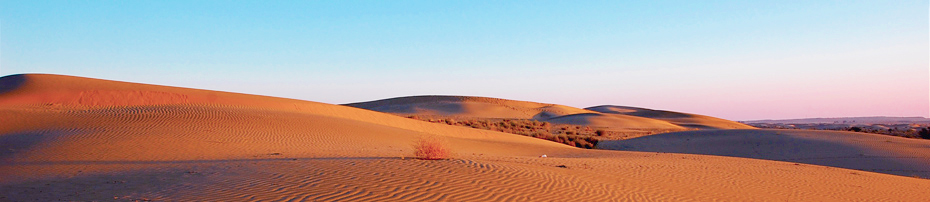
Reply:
x=572 y=135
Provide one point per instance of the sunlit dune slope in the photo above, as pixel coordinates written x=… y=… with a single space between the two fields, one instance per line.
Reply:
x=63 y=118
x=860 y=151
x=81 y=139
x=677 y=118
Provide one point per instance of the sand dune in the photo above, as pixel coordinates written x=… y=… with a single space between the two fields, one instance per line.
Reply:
x=677 y=118
x=203 y=120
x=860 y=151
x=73 y=138
x=613 y=121
x=468 y=107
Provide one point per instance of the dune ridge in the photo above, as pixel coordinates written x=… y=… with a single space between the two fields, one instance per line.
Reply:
x=121 y=141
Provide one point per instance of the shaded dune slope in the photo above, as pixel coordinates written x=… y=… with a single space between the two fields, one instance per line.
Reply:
x=860 y=151
x=677 y=118
x=467 y=106
x=73 y=138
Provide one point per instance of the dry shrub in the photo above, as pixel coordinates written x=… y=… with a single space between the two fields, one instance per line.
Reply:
x=572 y=135
x=430 y=148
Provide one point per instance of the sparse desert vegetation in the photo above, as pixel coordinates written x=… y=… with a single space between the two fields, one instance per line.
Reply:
x=912 y=130
x=431 y=148
x=568 y=134
x=572 y=135
x=909 y=127
x=909 y=132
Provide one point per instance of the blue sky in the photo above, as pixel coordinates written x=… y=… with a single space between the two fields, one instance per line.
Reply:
x=732 y=59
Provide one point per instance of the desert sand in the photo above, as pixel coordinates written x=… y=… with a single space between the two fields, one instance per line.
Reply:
x=860 y=151
x=73 y=138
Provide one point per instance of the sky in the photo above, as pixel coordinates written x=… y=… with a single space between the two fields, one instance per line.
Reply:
x=739 y=60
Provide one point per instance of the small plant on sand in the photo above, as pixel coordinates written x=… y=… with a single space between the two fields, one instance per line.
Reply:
x=430 y=148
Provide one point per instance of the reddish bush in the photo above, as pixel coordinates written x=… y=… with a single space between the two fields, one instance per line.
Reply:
x=430 y=148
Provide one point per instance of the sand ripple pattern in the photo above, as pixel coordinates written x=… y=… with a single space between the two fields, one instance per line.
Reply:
x=185 y=132
x=391 y=179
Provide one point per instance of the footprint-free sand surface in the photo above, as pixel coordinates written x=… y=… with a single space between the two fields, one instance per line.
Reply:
x=860 y=151
x=73 y=138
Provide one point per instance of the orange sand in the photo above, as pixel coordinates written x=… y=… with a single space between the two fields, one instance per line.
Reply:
x=77 y=138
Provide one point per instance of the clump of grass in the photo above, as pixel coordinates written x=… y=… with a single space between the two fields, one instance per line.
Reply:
x=431 y=148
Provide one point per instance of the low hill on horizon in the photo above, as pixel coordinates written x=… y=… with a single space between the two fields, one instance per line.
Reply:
x=847 y=120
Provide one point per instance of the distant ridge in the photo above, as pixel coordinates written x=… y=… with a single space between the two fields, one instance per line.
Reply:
x=858 y=120
x=861 y=151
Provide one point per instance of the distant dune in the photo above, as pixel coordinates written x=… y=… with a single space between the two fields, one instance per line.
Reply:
x=468 y=106
x=82 y=139
x=677 y=118
x=613 y=121
x=601 y=116
x=860 y=151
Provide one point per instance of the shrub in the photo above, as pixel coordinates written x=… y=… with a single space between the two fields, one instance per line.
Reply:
x=924 y=133
x=855 y=129
x=430 y=148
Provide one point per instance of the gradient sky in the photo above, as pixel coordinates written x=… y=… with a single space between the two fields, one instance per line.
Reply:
x=739 y=60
